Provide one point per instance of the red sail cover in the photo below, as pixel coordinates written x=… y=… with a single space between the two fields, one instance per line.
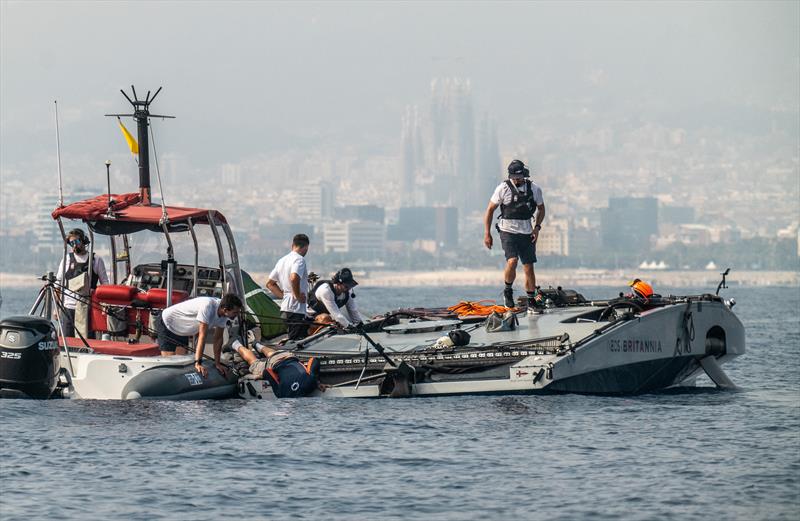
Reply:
x=126 y=209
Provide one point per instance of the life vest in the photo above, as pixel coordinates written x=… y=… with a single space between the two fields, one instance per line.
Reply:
x=319 y=306
x=522 y=206
x=291 y=379
x=77 y=269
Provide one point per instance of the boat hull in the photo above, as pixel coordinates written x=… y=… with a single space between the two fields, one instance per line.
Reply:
x=108 y=377
x=653 y=350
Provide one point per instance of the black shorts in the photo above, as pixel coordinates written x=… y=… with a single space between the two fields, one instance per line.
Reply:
x=518 y=245
x=167 y=340
x=296 y=325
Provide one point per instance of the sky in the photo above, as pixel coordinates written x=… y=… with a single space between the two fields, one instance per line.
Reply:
x=245 y=78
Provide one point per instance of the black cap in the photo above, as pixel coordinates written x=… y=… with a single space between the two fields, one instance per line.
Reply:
x=345 y=276
x=517 y=167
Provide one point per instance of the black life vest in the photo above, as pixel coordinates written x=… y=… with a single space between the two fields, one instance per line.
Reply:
x=319 y=306
x=522 y=206
x=75 y=269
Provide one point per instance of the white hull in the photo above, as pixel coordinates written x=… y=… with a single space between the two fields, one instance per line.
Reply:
x=656 y=349
x=109 y=377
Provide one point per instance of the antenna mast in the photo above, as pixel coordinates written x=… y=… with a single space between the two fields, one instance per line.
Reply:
x=58 y=156
x=141 y=113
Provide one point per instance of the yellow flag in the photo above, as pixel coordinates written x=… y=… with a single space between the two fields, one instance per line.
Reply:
x=132 y=144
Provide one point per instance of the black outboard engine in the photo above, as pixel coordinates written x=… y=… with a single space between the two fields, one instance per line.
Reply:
x=29 y=357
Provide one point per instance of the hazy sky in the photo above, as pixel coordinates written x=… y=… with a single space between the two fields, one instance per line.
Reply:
x=250 y=77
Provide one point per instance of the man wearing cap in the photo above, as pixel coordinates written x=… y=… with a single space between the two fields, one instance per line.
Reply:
x=519 y=200
x=335 y=299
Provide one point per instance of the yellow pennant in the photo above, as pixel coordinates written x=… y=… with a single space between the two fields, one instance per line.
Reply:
x=132 y=144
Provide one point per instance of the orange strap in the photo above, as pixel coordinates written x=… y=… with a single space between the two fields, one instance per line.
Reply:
x=308 y=365
x=273 y=374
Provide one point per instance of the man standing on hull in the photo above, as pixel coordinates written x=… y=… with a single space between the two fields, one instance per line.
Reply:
x=519 y=199
x=288 y=281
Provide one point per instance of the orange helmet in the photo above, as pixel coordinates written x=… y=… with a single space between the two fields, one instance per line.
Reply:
x=641 y=288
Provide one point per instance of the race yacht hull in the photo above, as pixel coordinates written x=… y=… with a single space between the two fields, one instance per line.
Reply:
x=573 y=349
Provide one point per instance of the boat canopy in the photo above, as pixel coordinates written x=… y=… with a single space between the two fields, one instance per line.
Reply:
x=128 y=215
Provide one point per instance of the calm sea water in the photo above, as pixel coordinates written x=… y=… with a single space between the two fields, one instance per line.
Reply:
x=689 y=454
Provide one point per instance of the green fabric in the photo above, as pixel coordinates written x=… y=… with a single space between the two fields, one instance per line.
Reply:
x=261 y=309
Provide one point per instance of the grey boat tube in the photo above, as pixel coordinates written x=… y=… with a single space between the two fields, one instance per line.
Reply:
x=180 y=382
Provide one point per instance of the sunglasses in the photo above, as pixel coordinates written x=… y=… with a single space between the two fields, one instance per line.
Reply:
x=74 y=242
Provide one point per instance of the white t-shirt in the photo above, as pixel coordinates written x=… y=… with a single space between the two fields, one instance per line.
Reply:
x=184 y=318
x=503 y=196
x=325 y=295
x=293 y=262
x=98 y=267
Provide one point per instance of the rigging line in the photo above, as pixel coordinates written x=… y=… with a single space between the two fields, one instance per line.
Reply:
x=164 y=217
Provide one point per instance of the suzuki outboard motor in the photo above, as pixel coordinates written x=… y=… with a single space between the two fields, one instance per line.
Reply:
x=29 y=362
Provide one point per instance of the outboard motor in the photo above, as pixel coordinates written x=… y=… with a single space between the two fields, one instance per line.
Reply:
x=29 y=357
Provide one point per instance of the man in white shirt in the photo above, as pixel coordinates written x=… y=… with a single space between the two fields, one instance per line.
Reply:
x=333 y=300
x=519 y=199
x=77 y=287
x=196 y=316
x=289 y=282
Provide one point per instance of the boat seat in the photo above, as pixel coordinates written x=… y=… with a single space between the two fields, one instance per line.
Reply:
x=116 y=294
x=157 y=297
x=110 y=347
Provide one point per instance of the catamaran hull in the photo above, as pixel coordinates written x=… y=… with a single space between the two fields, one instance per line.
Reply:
x=657 y=349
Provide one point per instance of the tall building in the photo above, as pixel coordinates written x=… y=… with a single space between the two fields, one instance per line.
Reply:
x=453 y=142
x=315 y=202
x=490 y=168
x=364 y=240
x=439 y=224
x=48 y=237
x=360 y=212
x=412 y=154
x=629 y=223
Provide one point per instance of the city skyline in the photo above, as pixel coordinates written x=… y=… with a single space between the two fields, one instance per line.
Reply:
x=591 y=128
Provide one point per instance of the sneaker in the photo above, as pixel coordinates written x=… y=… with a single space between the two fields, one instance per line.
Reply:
x=508 y=298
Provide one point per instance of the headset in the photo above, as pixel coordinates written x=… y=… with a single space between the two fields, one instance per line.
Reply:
x=80 y=235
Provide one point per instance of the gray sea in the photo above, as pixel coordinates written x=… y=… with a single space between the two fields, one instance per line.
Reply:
x=693 y=453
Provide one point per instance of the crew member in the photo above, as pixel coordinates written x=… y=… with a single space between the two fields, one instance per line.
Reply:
x=333 y=299
x=77 y=286
x=288 y=281
x=286 y=375
x=519 y=199
x=197 y=316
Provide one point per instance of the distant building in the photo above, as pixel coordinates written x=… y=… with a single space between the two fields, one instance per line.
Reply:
x=554 y=238
x=695 y=234
x=360 y=212
x=584 y=240
x=315 y=202
x=231 y=174
x=276 y=238
x=629 y=223
x=365 y=240
x=48 y=237
x=432 y=223
x=676 y=214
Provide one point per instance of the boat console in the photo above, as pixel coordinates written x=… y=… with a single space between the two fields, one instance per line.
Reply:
x=151 y=275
